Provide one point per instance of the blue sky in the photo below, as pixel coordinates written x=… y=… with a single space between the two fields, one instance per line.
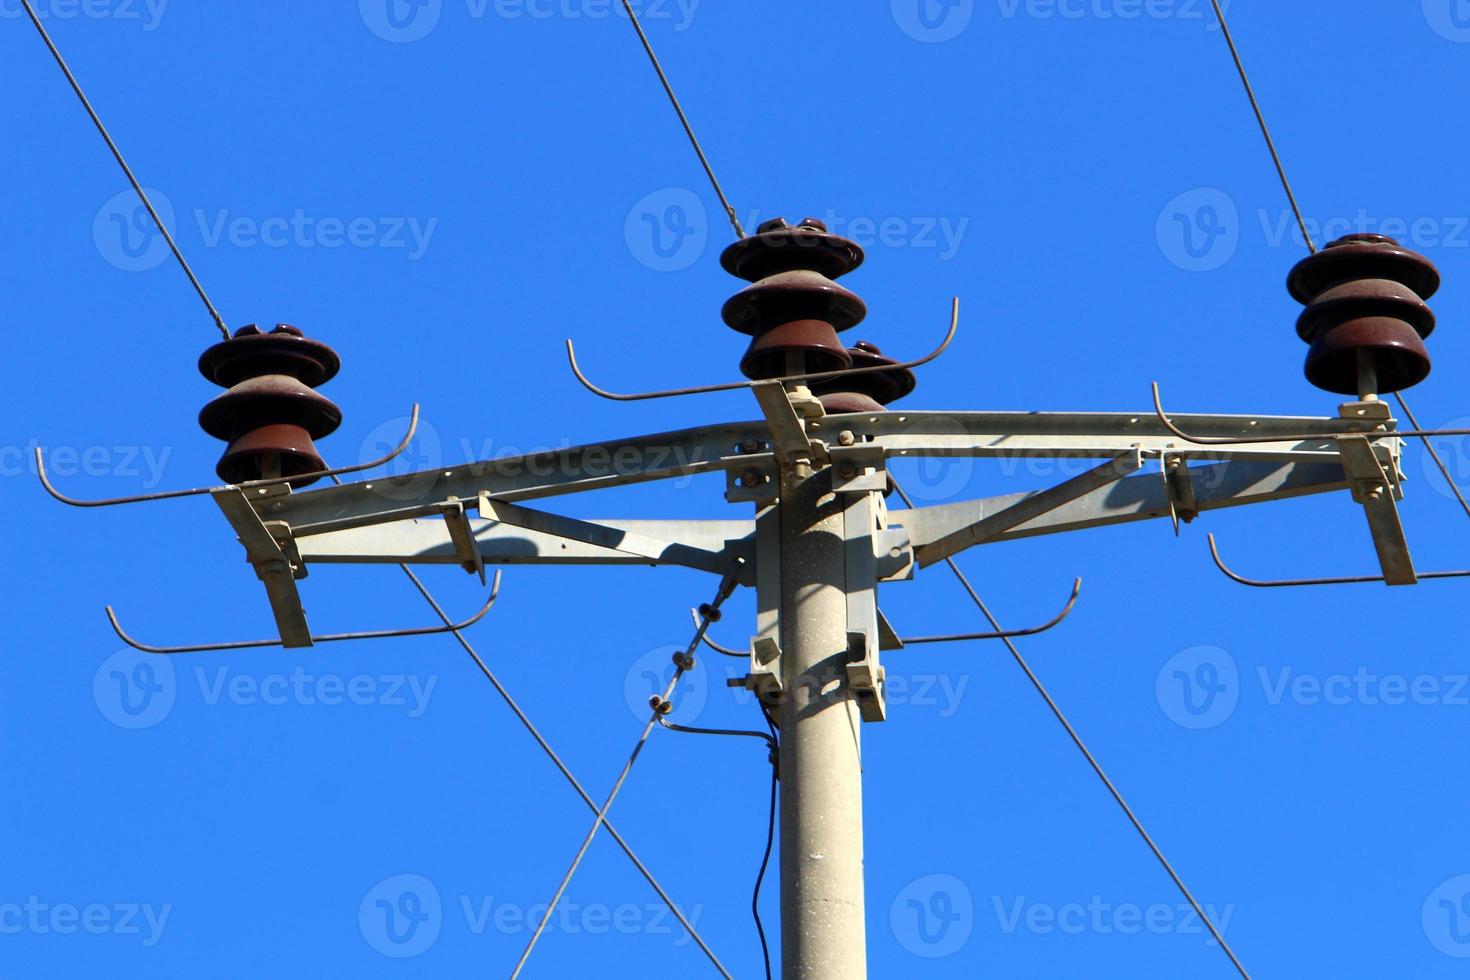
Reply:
x=445 y=191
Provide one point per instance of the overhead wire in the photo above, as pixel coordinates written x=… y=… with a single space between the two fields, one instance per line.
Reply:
x=127 y=171
x=683 y=662
x=709 y=170
x=1301 y=223
x=1087 y=753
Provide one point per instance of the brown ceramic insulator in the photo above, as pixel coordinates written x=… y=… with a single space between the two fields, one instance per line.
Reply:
x=270 y=416
x=793 y=309
x=1365 y=302
x=865 y=392
x=779 y=247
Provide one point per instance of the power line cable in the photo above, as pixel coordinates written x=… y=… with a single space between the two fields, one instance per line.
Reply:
x=1091 y=759
x=659 y=706
x=684 y=121
x=128 y=171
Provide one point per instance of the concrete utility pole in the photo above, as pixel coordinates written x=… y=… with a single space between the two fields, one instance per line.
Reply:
x=815 y=467
x=822 y=921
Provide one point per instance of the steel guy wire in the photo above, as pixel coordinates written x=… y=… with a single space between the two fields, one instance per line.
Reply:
x=128 y=171
x=561 y=766
x=1082 y=747
x=658 y=707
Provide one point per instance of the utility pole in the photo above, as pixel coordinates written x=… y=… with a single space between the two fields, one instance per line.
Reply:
x=822 y=920
x=822 y=540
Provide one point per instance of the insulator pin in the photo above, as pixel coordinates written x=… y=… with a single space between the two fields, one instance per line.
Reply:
x=1366 y=317
x=270 y=416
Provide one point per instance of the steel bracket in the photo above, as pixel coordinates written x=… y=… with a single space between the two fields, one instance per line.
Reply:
x=272 y=566
x=866 y=678
x=1179 y=485
x=463 y=537
x=765 y=671
x=858 y=469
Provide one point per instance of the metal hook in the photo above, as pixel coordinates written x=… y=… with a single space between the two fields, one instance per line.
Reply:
x=954 y=325
x=331 y=638
x=954 y=637
x=413 y=427
x=1302 y=437
x=1005 y=634
x=1286 y=583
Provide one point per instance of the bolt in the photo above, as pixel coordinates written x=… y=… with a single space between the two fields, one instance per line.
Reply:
x=750 y=478
x=847 y=471
x=846 y=438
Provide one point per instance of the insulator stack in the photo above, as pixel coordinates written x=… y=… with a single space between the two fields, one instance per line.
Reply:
x=1366 y=318
x=865 y=392
x=793 y=310
x=270 y=416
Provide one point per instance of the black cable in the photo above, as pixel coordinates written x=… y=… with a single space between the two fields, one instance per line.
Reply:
x=774 y=747
x=128 y=171
x=755 y=899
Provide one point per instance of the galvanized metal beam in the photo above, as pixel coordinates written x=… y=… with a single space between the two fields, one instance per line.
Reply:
x=1138 y=498
x=1028 y=509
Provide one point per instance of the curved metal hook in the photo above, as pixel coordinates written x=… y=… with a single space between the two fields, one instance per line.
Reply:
x=413 y=427
x=1006 y=634
x=330 y=638
x=954 y=325
x=1303 y=437
x=1291 y=583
